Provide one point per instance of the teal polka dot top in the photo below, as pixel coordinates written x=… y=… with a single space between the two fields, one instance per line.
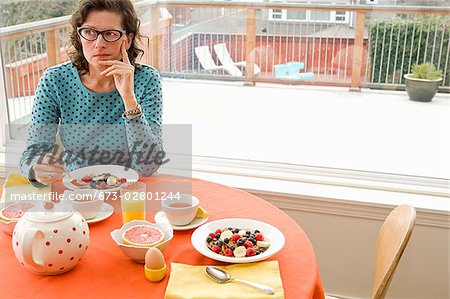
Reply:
x=91 y=125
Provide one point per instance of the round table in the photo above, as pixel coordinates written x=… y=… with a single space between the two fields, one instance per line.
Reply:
x=104 y=272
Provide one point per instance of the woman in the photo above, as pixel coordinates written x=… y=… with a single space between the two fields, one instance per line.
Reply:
x=106 y=107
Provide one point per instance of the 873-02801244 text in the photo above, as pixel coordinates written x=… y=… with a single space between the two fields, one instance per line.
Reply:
x=156 y=196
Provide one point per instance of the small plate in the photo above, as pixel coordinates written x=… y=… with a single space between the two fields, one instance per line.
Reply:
x=106 y=211
x=116 y=170
x=271 y=233
x=161 y=217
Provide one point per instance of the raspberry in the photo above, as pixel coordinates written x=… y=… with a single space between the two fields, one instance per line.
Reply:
x=228 y=252
x=216 y=249
x=248 y=244
x=86 y=179
x=250 y=252
x=218 y=231
x=123 y=180
x=259 y=237
x=235 y=237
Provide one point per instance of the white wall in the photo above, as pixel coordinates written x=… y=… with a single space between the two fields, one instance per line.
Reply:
x=345 y=244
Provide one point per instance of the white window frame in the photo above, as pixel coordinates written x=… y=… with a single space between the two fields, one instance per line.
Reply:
x=308 y=19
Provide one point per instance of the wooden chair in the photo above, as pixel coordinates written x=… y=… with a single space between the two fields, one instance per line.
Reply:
x=393 y=237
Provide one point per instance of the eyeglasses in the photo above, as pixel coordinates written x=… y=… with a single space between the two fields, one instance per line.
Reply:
x=110 y=35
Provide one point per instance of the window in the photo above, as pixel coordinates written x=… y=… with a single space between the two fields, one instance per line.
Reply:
x=296 y=15
x=318 y=15
x=341 y=16
x=277 y=14
x=300 y=15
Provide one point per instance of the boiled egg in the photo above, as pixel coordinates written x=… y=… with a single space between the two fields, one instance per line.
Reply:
x=154 y=259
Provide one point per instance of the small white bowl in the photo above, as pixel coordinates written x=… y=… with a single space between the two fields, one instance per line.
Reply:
x=137 y=253
x=88 y=202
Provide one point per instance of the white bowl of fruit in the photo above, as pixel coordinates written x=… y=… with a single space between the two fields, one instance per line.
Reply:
x=237 y=240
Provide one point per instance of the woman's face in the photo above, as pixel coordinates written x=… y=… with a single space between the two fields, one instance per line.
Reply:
x=100 y=49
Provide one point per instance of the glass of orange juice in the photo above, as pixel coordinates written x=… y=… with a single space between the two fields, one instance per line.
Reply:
x=132 y=200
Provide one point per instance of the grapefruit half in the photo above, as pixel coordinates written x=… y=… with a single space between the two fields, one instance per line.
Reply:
x=16 y=211
x=143 y=236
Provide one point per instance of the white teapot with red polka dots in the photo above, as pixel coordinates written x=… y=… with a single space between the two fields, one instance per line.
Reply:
x=50 y=241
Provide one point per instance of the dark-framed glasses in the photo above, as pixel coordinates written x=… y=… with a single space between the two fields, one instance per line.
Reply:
x=110 y=35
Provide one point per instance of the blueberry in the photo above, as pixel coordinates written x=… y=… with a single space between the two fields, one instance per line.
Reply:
x=240 y=242
x=232 y=247
x=219 y=243
x=230 y=228
x=257 y=231
x=209 y=239
x=236 y=230
x=247 y=233
x=252 y=240
x=218 y=236
x=256 y=253
x=226 y=240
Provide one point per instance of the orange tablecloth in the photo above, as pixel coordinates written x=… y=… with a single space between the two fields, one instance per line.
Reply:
x=104 y=272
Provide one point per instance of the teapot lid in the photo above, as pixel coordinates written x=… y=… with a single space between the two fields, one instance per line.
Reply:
x=57 y=213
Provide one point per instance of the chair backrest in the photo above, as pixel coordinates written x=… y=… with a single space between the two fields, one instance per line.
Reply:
x=223 y=54
x=392 y=239
x=204 y=56
x=279 y=70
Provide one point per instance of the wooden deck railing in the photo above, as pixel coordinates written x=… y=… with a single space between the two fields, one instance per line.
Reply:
x=336 y=52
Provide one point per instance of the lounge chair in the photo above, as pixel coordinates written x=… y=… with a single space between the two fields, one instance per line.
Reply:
x=291 y=71
x=225 y=58
x=206 y=61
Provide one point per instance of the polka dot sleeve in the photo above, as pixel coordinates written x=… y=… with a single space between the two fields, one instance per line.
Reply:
x=144 y=132
x=43 y=126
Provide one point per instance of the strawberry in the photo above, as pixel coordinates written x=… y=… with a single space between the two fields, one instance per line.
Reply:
x=86 y=179
x=259 y=237
x=216 y=249
x=228 y=252
x=78 y=183
x=250 y=252
x=248 y=244
x=212 y=235
x=123 y=180
x=235 y=237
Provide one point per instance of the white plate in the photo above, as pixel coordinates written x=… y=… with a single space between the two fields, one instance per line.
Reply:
x=161 y=217
x=106 y=211
x=271 y=233
x=116 y=170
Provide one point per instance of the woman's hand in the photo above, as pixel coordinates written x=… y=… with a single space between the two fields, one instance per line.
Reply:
x=123 y=74
x=48 y=169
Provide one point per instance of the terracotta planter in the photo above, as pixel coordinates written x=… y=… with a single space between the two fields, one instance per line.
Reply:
x=421 y=90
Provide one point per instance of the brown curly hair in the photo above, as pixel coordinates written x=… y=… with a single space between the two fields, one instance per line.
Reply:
x=130 y=23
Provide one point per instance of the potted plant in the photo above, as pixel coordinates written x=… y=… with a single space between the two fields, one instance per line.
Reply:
x=422 y=84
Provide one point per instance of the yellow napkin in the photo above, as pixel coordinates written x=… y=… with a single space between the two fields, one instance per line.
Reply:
x=17 y=188
x=191 y=282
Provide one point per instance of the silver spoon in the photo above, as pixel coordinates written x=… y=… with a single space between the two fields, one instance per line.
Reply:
x=220 y=276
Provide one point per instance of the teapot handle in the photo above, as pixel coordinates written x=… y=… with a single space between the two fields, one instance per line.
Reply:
x=27 y=247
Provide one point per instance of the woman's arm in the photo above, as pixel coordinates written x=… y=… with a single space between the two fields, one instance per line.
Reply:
x=144 y=131
x=42 y=131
